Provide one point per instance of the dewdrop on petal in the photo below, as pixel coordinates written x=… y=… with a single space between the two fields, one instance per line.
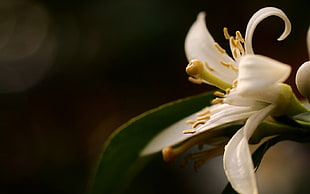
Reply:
x=302 y=79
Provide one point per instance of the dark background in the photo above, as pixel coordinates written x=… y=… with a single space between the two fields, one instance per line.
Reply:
x=73 y=71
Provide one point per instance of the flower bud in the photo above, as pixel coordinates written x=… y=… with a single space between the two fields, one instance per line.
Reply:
x=303 y=79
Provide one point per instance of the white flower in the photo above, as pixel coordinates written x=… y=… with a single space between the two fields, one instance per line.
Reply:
x=253 y=91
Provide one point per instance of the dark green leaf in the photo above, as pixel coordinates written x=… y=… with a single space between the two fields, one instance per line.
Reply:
x=120 y=160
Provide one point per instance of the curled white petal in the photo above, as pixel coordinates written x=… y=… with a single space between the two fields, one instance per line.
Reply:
x=302 y=79
x=199 y=44
x=259 y=77
x=257 y=18
x=237 y=158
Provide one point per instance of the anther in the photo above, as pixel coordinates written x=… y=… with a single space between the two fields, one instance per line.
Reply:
x=168 y=154
x=227 y=90
x=217 y=101
x=219 y=94
x=225 y=64
x=232 y=42
x=239 y=36
x=190 y=122
x=219 y=48
x=234 y=68
x=207 y=65
x=204 y=118
x=203 y=112
x=194 y=68
x=195 y=80
x=226 y=34
x=235 y=54
x=198 y=123
x=189 y=131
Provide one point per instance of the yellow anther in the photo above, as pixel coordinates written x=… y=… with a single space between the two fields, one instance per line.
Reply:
x=203 y=112
x=219 y=48
x=227 y=90
x=207 y=65
x=194 y=68
x=234 y=68
x=195 y=80
x=239 y=36
x=198 y=123
x=225 y=64
x=190 y=122
x=232 y=42
x=235 y=53
x=239 y=46
x=219 y=94
x=217 y=101
x=205 y=117
x=189 y=131
x=226 y=34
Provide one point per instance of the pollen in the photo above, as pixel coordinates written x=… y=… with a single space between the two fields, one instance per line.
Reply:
x=234 y=68
x=224 y=64
x=203 y=118
x=195 y=80
x=207 y=65
x=189 y=131
x=198 y=123
x=217 y=101
x=219 y=94
x=190 y=122
x=194 y=68
x=203 y=112
x=219 y=48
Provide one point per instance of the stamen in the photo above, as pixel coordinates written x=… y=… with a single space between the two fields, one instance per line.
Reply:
x=207 y=65
x=217 y=101
x=234 y=68
x=225 y=64
x=226 y=34
x=194 y=68
x=189 y=131
x=232 y=42
x=190 y=122
x=198 y=123
x=204 y=118
x=239 y=36
x=227 y=90
x=219 y=94
x=219 y=48
x=235 y=54
x=203 y=112
x=195 y=80
x=240 y=47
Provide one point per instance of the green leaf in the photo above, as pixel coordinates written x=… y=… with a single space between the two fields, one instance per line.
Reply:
x=120 y=160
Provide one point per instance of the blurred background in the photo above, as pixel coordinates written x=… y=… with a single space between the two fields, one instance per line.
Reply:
x=71 y=72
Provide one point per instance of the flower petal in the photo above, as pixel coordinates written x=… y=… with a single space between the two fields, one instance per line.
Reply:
x=259 y=77
x=237 y=158
x=168 y=137
x=257 y=18
x=199 y=44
